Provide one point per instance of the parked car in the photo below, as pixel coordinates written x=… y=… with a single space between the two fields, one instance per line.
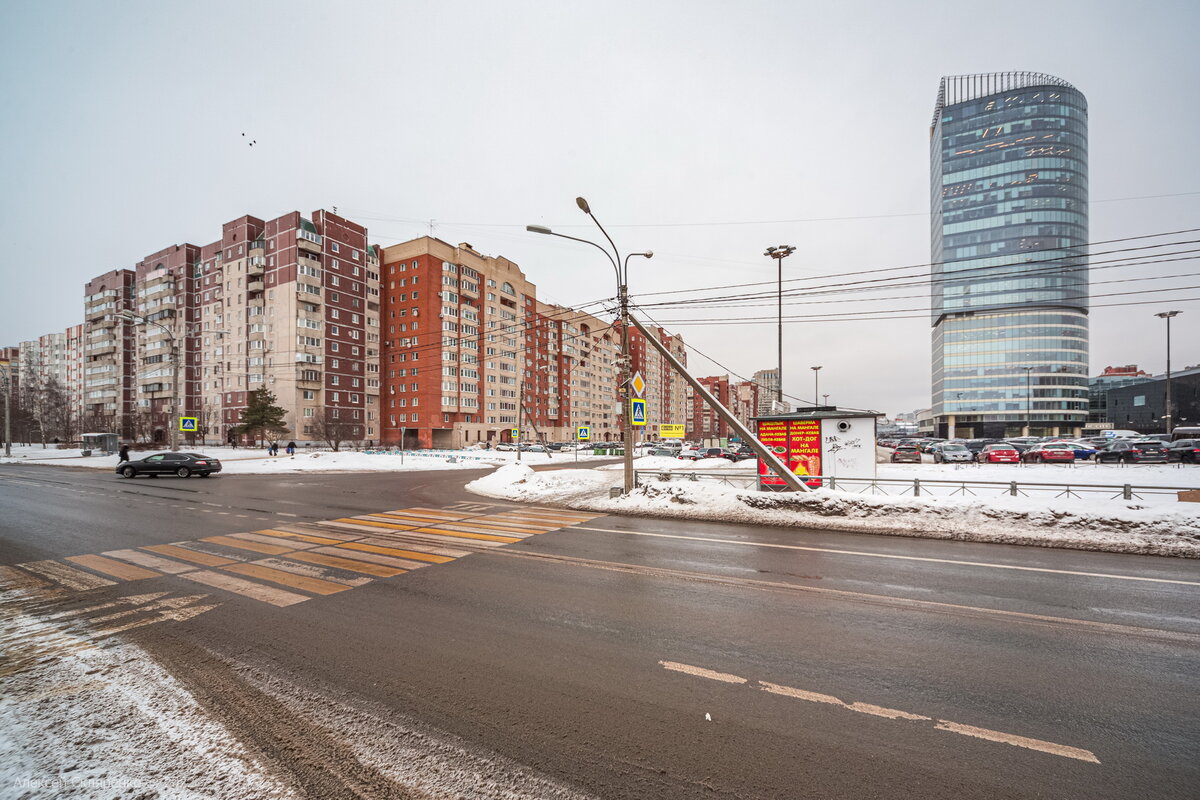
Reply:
x=1134 y=451
x=1182 y=432
x=1002 y=453
x=1083 y=450
x=906 y=453
x=181 y=464
x=663 y=451
x=502 y=446
x=1185 y=451
x=950 y=453
x=707 y=452
x=1057 y=452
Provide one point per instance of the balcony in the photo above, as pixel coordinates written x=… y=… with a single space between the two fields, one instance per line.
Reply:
x=154 y=388
x=256 y=267
x=255 y=286
x=100 y=348
x=310 y=377
x=306 y=240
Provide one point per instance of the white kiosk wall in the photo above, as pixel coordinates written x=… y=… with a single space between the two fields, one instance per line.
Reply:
x=848 y=447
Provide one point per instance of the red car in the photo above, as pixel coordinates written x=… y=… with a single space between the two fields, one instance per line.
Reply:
x=1060 y=452
x=998 y=454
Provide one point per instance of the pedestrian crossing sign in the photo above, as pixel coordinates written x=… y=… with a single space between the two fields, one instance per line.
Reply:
x=516 y=432
x=637 y=411
x=583 y=433
x=187 y=424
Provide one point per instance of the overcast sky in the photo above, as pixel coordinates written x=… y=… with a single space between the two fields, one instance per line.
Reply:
x=704 y=131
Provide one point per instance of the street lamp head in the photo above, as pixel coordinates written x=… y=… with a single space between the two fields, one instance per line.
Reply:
x=538 y=229
x=1167 y=314
x=583 y=205
x=814 y=368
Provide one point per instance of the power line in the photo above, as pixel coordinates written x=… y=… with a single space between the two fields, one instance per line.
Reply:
x=888 y=315
x=797 y=296
x=958 y=273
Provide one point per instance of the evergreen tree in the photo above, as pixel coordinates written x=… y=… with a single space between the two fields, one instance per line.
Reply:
x=261 y=417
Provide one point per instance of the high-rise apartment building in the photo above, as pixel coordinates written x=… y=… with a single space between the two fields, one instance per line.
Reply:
x=767 y=381
x=108 y=356
x=1009 y=192
x=454 y=343
x=575 y=374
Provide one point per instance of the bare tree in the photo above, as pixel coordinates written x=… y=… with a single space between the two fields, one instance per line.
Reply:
x=333 y=430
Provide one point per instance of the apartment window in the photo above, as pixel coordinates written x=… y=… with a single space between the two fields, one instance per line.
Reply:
x=334 y=247
x=309 y=394
x=308 y=412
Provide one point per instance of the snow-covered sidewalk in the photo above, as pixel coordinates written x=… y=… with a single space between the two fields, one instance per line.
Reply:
x=243 y=461
x=1165 y=528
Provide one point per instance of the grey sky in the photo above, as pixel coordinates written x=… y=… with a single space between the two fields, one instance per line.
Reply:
x=122 y=132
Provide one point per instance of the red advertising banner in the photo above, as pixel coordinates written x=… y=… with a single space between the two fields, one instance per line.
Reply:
x=797 y=442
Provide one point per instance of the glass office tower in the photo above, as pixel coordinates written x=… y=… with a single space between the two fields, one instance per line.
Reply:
x=1010 y=279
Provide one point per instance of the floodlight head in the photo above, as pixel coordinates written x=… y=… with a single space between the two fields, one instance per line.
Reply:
x=538 y=229
x=583 y=205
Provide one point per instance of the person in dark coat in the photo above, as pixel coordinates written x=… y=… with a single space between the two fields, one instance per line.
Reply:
x=123 y=454
x=291 y=448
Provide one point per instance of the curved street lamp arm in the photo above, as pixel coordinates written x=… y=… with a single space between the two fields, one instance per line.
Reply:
x=621 y=279
x=593 y=244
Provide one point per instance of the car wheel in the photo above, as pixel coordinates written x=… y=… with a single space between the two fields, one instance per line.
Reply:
x=183 y=472
x=128 y=472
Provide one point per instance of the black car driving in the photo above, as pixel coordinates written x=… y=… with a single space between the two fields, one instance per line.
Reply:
x=182 y=464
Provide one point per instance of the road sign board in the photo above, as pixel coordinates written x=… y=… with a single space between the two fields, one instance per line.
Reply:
x=583 y=433
x=516 y=432
x=1110 y=434
x=187 y=424
x=639 y=384
x=671 y=431
x=637 y=411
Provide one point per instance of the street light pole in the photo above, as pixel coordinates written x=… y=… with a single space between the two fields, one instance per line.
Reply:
x=623 y=299
x=779 y=254
x=816 y=383
x=1028 y=402
x=1167 y=315
x=7 y=409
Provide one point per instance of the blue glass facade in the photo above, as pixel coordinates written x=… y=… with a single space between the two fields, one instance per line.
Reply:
x=1008 y=155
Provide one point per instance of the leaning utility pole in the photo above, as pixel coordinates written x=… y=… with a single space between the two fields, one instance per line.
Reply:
x=773 y=461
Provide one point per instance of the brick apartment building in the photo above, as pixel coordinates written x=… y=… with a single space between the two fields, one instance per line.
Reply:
x=432 y=344
x=454 y=343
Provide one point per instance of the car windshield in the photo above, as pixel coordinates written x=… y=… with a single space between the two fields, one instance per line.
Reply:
x=954 y=447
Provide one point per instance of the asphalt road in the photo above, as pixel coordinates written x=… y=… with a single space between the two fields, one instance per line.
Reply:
x=639 y=658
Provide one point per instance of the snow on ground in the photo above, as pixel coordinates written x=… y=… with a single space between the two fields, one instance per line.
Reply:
x=1091 y=523
x=670 y=463
x=241 y=461
x=81 y=719
x=1083 y=473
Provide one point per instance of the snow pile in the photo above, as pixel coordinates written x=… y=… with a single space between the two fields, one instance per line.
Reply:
x=672 y=464
x=1091 y=524
x=86 y=719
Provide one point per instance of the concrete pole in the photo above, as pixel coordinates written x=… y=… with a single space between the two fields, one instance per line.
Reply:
x=8 y=410
x=626 y=411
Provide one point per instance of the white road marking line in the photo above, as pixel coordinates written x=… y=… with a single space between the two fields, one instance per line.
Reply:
x=1019 y=741
x=286 y=514
x=701 y=672
x=800 y=694
x=1053 y=748
x=892 y=556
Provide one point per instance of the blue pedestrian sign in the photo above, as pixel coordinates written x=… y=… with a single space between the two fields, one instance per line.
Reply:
x=637 y=411
x=583 y=433
x=187 y=424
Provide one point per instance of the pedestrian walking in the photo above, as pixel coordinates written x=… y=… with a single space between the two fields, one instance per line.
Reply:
x=123 y=455
x=291 y=448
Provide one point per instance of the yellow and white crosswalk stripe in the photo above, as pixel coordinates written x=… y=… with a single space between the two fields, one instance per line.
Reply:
x=291 y=563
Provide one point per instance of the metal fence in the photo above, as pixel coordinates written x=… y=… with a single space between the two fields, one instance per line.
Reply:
x=921 y=487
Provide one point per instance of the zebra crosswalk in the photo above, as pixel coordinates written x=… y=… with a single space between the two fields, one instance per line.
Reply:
x=296 y=562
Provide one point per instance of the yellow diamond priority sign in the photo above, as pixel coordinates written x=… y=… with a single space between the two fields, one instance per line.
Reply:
x=639 y=384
